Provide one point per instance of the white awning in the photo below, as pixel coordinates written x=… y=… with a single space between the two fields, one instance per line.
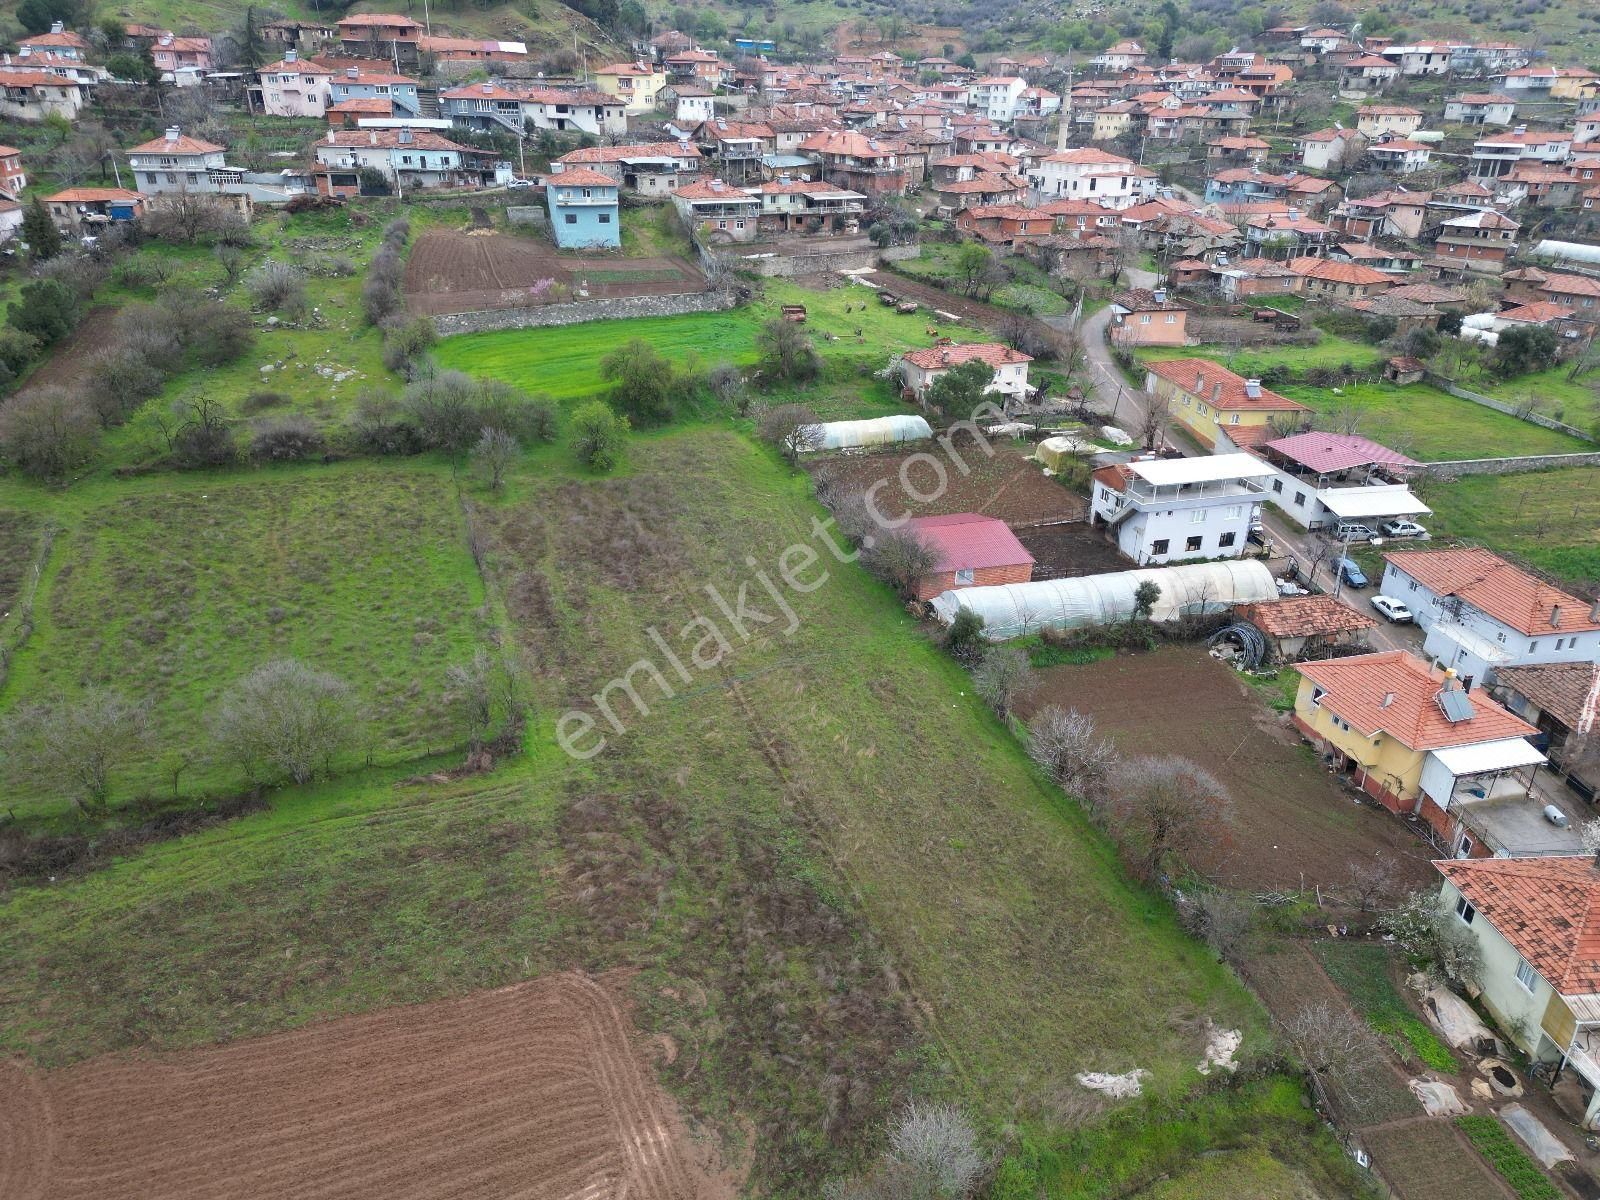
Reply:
x=1382 y=501
x=1488 y=756
x=1168 y=472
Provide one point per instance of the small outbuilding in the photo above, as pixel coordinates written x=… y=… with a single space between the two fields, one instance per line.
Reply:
x=1300 y=626
x=973 y=551
x=1403 y=369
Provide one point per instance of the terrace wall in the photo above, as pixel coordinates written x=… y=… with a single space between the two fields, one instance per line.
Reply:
x=624 y=308
x=1456 y=468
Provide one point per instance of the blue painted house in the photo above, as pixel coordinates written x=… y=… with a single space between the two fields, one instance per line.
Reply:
x=583 y=209
x=357 y=84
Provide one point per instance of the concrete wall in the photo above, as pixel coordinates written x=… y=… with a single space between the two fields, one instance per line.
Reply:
x=1455 y=468
x=584 y=310
x=822 y=262
x=1440 y=381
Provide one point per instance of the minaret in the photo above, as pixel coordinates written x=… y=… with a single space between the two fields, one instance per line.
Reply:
x=1066 y=109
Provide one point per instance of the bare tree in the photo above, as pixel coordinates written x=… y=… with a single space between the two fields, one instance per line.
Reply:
x=1338 y=1050
x=73 y=747
x=1373 y=884
x=937 y=1144
x=1163 y=803
x=1003 y=677
x=1341 y=418
x=495 y=452
x=1223 y=920
x=1066 y=745
x=286 y=719
x=1154 y=420
x=900 y=558
x=185 y=216
x=792 y=428
x=470 y=686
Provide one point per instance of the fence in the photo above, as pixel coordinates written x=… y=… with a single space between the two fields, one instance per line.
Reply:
x=1456 y=468
x=1533 y=418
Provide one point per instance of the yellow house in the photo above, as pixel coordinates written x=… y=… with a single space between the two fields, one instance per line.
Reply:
x=1574 y=83
x=1112 y=121
x=636 y=84
x=1374 y=120
x=1417 y=742
x=1209 y=400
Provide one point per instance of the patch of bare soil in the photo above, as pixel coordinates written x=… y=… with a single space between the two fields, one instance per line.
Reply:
x=535 y=1090
x=70 y=358
x=1293 y=825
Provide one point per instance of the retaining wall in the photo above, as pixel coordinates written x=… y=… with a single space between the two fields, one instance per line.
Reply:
x=821 y=263
x=1456 y=468
x=1439 y=381
x=577 y=312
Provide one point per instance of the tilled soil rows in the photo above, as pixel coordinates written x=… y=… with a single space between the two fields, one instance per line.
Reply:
x=529 y=1091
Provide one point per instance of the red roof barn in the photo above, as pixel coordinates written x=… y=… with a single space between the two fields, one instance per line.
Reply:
x=974 y=550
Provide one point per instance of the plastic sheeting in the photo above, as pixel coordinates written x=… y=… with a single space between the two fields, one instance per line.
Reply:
x=1438 y=1099
x=1053 y=450
x=1016 y=609
x=1453 y=1015
x=878 y=431
x=1546 y=1147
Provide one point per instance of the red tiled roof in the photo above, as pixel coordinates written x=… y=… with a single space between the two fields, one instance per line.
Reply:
x=936 y=358
x=92 y=195
x=580 y=177
x=1304 y=616
x=1357 y=688
x=714 y=189
x=970 y=541
x=1548 y=908
x=389 y=139
x=1571 y=285
x=1491 y=584
x=600 y=154
x=182 y=144
x=1539 y=313
x=1569 y=692
x=1337 y=272
x=1200 y=377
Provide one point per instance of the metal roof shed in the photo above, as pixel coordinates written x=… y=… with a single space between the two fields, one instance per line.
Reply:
x=1386 y=500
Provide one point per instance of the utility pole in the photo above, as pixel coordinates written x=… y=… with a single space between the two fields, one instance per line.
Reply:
x=1338 y=568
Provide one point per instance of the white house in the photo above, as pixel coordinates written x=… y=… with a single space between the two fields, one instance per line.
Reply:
x=1090 y=174
x=1480 y=612
x=1170 y=509
x=10 y=219
x=996 y=96
x=1400 y=155
x=405 y=157
x=1329 y=149
x=1480 y=108
x=924 y=367
x=32 y=95
x=292 y=88
x=176 y=163
x=695 y=106
x=1320 y=479
x=1374 y=120
x=1118 y=58
x=1431 y=58
x=1536 y=922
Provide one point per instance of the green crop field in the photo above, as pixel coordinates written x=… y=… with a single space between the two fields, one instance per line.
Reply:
x=1549 y=518
x=1329 y=351
x=169 y=590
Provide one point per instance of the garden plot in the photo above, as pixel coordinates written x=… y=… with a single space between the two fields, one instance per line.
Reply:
x=451 y=272
x=1424 y=1159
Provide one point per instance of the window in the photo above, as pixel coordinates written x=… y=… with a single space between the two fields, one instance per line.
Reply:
x=1159 y=546
x=1144 y=318
x=1192 y=544
x=1533 y=647
x=572 y=218
x=1501 y=638
x=1233 y=419
x=1226 y=540
x=1197 y=517
x=1413 y=585
x=1525 y=974
x=1277 y=486
x=1465 y=911
x=605 y=218
x=1300 y=499
x=1171 y=319
x=1317 y=694
x=1233 y=512
x=964 y=575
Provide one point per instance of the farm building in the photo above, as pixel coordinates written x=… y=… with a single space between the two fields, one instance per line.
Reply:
x=583 y=209
x=1296 y=626
x=1018 y=609
x=974 y=551
x=1534 y=921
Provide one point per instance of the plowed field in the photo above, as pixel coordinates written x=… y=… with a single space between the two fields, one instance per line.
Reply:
x=452 y=272
x=529 y=1091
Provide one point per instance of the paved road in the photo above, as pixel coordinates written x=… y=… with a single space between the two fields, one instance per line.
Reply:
x=1114 y=395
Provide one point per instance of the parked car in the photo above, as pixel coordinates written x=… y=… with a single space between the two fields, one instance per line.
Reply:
x=519 y=182
x=1389 y=607
x=1402 y=529
x=1353 y=531
x=1353 y=575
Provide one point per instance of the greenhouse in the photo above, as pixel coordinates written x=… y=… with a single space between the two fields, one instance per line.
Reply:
x=878 y=431
x=1017 y=609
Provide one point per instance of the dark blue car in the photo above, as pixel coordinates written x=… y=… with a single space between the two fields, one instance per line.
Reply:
x=1353 y=575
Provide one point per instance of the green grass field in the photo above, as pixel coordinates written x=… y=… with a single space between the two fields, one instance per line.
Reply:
x=1549 y=518
x=1362 y=969
x=169 y=590
x=1431 y=425
x=1029 y=291
x=1575 y=401
x=1329 y=351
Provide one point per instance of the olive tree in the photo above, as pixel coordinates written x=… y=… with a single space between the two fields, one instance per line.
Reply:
x=287 y=720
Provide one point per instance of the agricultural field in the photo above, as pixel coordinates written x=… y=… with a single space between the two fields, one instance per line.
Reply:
x=1293 y=827
x=1550 y=519
x=541 y=1081
x=1030 y=289
x=1553 y=393
x=1254 y=361
x=449 y=271
x=1428 y=1160
x=170 y=589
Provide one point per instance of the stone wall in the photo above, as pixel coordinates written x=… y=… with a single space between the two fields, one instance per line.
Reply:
x=577 y=312
x=1456 y=468
x=1533 y=418
x=779 y=265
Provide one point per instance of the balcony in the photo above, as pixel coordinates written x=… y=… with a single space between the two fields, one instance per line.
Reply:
x=1192 y=495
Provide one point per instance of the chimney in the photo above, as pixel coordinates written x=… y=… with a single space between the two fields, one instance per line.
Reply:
x=57 y=27
x=1161 y=295
x=372 y=137
x=1252 y=388
x=488 y=89
x=1388 y=699
x=1199 y=382
x=352 y=72
x=1216 y=392
x=1594 y=612
x=405 y=135
x=173 y=134
x=290 y=56
x=1555 y=616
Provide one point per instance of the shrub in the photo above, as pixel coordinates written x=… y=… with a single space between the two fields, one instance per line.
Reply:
x=202 y=437
x=444 y=410
x=46 y=432
x=598 y=435
x=278 y=287
x=221 y=335
x=258 y=402
x=526 y=418
x=379 y=427
x=119 y=380
x=787 y=353
x=286 y=720
x=964 y=638
x=47 y=310
x=644 y=386
x=288 y=438
x=406 y=345
x=17 y=350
